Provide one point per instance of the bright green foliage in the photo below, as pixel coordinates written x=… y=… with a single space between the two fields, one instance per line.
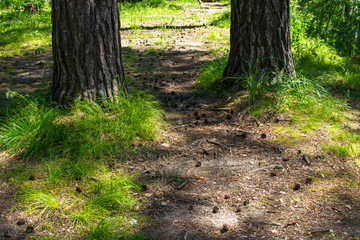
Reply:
x=108 y=198
x=335 y=21
x=72 y=146
x=298 y=23
x=307 y=99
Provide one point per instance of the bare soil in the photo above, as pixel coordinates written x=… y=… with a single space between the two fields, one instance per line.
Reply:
x=216 y=174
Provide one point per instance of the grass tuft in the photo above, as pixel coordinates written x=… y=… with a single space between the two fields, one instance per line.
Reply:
x=91 y=129
x=33 y=129
x=41 y=202
x=70 y=151
x=114 y=193
x=210 y=73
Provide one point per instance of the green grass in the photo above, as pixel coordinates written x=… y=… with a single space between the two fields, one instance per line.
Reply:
x=222 y=19
x=110 y=197
x=218 y=39
x=317 y=97
x=63 y=159
x=210 y=72
x=42 y=202
x=23 y=32
x=159 y=13
x=90 y=129
x=68 y=153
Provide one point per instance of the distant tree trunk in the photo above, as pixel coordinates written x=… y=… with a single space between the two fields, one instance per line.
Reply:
x=259 y=38
x=86 y=50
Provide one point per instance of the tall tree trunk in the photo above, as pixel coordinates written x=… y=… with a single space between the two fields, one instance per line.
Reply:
x=86 y=50
x=259 y=38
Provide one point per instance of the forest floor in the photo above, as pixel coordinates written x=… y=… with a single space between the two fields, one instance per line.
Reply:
x=217 y=173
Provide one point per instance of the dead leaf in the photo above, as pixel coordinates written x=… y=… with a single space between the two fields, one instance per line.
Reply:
x=166 y=145
x=348 y=207
x=200 y=177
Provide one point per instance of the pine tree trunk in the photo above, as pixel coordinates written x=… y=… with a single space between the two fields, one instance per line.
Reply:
x=259 y=38
x=86 y=50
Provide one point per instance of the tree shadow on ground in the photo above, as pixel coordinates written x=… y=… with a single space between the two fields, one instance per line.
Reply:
x=160 y=27
x=217 y=166
x=25 y=75
x=207 y=182
x=11 y=227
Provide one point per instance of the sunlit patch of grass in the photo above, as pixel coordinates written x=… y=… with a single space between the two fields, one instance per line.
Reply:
x=20 y=30
x=80 y=203
x=68 y=153
x=90 y=129
x=152 y=50
x=164 y=39
x=210 y=72
x=32 y=129
x=357 y=161
x=113 y=228
x=113 y=193
x=218 y=38
x=340 y=150
x=318 y=61
x=159 y=13
x=343 y=142
x=42 y=202
x=221 y=19
x=84 y=217
x=308 y=102
x=288 y=136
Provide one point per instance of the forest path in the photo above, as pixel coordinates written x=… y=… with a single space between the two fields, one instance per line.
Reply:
x=217 y=174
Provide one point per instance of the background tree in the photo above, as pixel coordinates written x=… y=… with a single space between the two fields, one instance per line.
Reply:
x=335 y=21
x=259 y=38
x=86 y=50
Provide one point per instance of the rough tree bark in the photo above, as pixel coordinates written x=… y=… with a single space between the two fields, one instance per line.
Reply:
x=86 y=50
x=259 y=38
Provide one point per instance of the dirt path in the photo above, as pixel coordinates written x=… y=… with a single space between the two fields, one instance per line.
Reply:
x=216 y=174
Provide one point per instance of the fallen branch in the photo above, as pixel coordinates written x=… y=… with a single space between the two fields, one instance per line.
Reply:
x=273 y=224
x=218 y=144
x=221 y=109
x=182 y=185
x=269 y=167
x=199 y=141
